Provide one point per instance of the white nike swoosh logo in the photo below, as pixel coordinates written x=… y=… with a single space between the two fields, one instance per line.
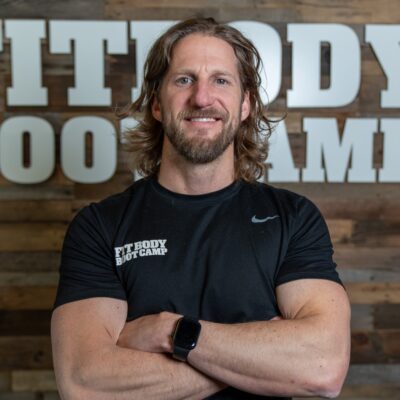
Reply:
x=256 y=220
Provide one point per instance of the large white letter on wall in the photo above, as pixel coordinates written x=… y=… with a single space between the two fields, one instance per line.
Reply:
x=26 y=62
x=323 y=141
x=280 y=157
x=42 y=150
x=145 y=34
x=104 y=149
x=89 y=38
x=306 y=65
x=268 y=42
x=385 y=40
x=391 y=150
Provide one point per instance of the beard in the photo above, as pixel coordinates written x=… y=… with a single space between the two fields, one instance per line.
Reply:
x=197 y=149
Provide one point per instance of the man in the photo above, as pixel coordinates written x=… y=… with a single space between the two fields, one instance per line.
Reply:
x=227 y=284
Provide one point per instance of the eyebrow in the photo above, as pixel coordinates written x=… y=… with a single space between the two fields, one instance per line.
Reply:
x=192 y=74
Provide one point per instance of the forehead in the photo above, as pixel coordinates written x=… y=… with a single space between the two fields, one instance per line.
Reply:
x=197 y=51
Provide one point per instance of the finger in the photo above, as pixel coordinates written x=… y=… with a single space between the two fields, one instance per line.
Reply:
x=277 y=318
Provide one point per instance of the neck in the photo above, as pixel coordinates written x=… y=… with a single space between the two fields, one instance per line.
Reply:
x=180 y=176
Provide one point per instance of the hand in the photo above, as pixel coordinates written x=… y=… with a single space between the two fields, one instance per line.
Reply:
x=151 y=333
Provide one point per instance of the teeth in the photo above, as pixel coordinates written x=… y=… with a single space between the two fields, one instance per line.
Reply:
x=202 y=119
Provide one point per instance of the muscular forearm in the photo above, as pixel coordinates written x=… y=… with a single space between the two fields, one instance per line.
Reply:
x=120 y=373
x=285 y=357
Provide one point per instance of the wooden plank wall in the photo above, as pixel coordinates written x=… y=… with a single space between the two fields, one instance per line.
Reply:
x=364 y=219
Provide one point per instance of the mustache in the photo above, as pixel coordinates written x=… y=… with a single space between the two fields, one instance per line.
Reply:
x=207 y=113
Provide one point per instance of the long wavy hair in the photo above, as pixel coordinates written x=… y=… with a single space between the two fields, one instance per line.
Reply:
x=251 y=141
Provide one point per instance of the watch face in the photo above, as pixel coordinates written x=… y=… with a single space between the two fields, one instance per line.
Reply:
x=187 y=333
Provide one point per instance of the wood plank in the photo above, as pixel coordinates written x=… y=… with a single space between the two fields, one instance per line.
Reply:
x=23 y=261
x=5 y=68
x=25 y=322
x=367 y=348
x=35 y=192
x=5 y=381
x=33 y=381
x=25 y=352
x=380 y=346
x=271 y=11
x=390 y=342
x=341 y=230
x=351 y=200
x=361 y=257
x=352 y=275
x=18 y=396
x=51 y=396
x=362 y=349
x=31 y=236
x=371 y=392
x=377 y=233
x=374 y=293
x=364 y=392
x=35 y=210
x=362 y=318
x=28 y=279
x=27 y=298
x=57 y=187
x=73 y=9
x=387 y=316
x=373 y=374
x=368 y=317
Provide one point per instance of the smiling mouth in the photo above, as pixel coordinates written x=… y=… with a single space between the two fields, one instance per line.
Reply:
x=203 y=116
x=202 y=119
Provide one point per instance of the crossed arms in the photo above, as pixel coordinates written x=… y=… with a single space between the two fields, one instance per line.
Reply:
x=306 y=353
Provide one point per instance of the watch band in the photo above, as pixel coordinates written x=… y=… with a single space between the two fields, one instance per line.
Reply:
x=180 y=353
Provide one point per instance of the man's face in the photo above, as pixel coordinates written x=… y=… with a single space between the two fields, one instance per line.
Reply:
x=201 y=103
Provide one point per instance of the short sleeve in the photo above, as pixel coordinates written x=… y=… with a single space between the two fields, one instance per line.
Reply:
x=87 y=269
x=309 y=252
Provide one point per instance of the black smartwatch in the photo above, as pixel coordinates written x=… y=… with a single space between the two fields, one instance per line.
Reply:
x=184 y=337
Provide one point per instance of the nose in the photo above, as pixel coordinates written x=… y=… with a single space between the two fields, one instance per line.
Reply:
x=202 y=95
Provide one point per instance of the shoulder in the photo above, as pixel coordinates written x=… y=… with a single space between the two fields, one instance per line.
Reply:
x=114 y=202
x=107 y=215
x=286 y=201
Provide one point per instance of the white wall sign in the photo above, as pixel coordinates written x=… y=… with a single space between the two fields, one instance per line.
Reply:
x=89 y=38
x=330 y=155
x=385 y=41
x=357 y=142
x=26 y=64
x=391 y=142
x=104 y=149
x=42 y=149
x=306 y=65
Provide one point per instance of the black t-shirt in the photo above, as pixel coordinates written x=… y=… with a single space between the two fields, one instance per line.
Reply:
x=217 y=257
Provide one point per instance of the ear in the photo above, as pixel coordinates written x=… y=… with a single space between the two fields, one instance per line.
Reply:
x=156 y=109
x=245 y=108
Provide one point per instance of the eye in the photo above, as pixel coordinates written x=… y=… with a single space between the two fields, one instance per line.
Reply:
x=221 y=81
x=183 y=80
